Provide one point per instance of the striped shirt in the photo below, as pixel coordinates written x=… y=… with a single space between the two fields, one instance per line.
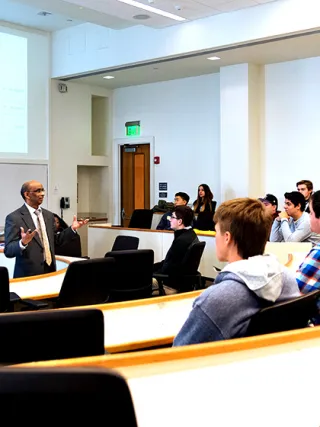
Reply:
x=308 y=274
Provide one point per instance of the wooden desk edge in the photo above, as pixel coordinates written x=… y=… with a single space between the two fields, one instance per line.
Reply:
x=187 y=352
x=104 y=226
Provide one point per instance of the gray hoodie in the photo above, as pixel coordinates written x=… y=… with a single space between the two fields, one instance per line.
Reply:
x=242 y=288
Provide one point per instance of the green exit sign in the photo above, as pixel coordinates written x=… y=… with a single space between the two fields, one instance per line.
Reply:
x=133 y=128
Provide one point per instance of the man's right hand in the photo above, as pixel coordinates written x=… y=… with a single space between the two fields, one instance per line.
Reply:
x=27 y=236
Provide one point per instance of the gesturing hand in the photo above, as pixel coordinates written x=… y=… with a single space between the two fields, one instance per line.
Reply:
x=77 y=224
x=27 y=236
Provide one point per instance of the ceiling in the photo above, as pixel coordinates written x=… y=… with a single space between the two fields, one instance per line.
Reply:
x=112 y=13
x=299 y=47
x=23 y=14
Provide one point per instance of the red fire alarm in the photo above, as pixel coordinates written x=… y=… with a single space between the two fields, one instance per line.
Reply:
x=156 y=160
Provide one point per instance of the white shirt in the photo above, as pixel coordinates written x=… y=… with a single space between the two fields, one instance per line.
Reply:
x=33 y=215
x=34 y=219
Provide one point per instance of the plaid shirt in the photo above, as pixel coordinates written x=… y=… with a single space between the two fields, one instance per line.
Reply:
x=308 y=274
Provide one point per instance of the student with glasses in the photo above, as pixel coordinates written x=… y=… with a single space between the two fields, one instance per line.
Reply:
x=30 y=235
x=184 y=236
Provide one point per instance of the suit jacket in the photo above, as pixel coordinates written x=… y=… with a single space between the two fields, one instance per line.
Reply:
x=30 y=261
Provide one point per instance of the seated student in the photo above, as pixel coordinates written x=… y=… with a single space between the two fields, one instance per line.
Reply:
x=204 y=201
x=305 y=187
x=293 y=225
x=180 y=199
x=70 y=248
x=308 y=274
x=59 y=223
x=271 y=203
x=184 y=237
x=247 y=283
x=205 y=207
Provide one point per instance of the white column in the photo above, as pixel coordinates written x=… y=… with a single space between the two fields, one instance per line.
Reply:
x=241 y=106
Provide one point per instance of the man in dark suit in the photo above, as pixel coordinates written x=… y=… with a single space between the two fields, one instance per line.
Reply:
x=30 y=234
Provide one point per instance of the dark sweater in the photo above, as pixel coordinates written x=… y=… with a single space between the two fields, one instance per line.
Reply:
x=182 y=241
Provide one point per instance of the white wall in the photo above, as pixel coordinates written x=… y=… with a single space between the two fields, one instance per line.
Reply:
x=183 y=116
x=38 y=93
x=292 y=125
x=70 y=147
x=89 y=47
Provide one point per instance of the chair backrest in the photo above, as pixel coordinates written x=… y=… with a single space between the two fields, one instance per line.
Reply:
x=285 y=316
x=133 y=274
x=122 y=243
x=4 y=290
x=86 y=282
x=188 y=280
x=192 y=258
x=70 y=247
x=141 y=218
x=51 y=334
x=68 y=395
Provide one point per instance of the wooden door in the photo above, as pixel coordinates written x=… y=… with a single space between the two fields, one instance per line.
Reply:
x=135 y=180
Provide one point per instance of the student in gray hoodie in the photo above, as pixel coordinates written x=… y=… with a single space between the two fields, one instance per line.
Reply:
x=249 y=282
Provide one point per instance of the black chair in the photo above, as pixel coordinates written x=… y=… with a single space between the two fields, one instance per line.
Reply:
x=188 y=278
x=51 y=334
x=7 y=298
x=133 y=274
x=67 y=395
x=85 y=283
x=141 y=218
x=122 y=243
x=285 y=316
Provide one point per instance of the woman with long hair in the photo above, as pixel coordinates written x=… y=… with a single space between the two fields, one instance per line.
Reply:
x=204 y=199
x=204 y=207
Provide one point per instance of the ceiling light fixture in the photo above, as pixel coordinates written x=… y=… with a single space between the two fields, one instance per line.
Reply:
x=108 y=77
x=214 y=58
x=141 y=16
x=44 y=13
x=153 y=10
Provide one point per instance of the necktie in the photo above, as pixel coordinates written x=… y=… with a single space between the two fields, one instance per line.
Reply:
x=44 y=237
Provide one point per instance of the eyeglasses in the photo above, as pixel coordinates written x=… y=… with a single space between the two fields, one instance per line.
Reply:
x=38 y=191
x=174 y=217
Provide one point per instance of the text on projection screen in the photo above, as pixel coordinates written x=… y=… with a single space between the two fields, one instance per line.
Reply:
x=13 y=94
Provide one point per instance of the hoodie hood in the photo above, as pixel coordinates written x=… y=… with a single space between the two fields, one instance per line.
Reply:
x=262 y=274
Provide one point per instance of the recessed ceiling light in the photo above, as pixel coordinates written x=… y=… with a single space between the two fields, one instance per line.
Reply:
x=141 y=16
x=44 y=13
x=153 y=10
x=108 y=77
x=214 y=58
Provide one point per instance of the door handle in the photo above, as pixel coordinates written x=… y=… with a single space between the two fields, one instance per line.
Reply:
x=123 y=214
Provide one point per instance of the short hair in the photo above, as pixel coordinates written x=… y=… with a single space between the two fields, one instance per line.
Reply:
x=183 y=196
x=305 y=182
x=315 y=201
x=296 y=198
x=185 y=213
x=248 y=222
x=25 y=187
